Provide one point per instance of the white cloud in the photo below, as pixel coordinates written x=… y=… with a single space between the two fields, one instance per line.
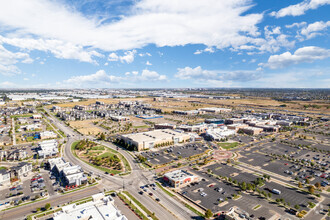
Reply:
x=300 y=8
x=301 y=55
x=128 y=57
x=148 y=63
x=96 y=78
x=106 y=64
x=60 y=49
x=25 y=79
x=208 y=49
x=198 y=73
x=102 y=78
x=144 y=54
x=313 y=29
x=8 y=60
x=113 y=57
x=301 y=24
x=151 y=76
x=211 y=22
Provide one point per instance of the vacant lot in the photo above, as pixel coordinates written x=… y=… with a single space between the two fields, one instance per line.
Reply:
x=86 y=127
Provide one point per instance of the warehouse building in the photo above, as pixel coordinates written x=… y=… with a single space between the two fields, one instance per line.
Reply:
x=150 y=139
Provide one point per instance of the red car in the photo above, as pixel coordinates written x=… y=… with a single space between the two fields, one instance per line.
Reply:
x=33 y=179
x=286 y=164
x=211 y=185
x=12 y=188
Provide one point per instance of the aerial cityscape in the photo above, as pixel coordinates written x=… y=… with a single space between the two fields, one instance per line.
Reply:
x=150 y=109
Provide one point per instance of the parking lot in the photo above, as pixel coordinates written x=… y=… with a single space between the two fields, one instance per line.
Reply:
x=30 y=188
x=209 y=191
x=174 y=153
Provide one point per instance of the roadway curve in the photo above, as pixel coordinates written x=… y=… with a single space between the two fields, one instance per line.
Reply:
x=129 y=182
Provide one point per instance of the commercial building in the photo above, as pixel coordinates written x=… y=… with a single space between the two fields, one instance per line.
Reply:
x=216 y=121
x=251 y=130
x=179 y=178
x=200 y=128
x=215 y=110
x=48 y=148
x=165 y=126
x=73 y=176
x=234 y=121
x=150 y=139
x=236 y=127
x=70 y=175
x=218 y=134
x=101 y=208
x=47 y=135
x=37 y=116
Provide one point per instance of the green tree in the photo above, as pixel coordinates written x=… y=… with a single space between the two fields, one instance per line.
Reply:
x=47 y=206
x=297 y=207
x=311 y=189
x=208 y=213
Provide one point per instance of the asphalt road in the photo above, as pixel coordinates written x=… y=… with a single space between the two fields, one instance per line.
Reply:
x=131 y=182
x=23 y=211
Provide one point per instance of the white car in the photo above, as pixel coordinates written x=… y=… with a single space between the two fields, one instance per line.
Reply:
x=203 y=194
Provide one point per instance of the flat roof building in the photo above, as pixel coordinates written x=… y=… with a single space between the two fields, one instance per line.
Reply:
x=251 y=130
x=101 y=207
x=150 y=139
x=179 y=178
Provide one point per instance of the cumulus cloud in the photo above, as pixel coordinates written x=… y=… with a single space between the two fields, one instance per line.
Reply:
x=60 y=49
x=96 y=78
x=148 y=63
x=211 y=22
x=8 y=60
x=300 y=8
x=198 y=73
x=314 y=29
x=113 y=57
x=128 y=57
x=148 y=75
x=102 y=78
x=300 y=24
x=301 y=55
x=208 y=49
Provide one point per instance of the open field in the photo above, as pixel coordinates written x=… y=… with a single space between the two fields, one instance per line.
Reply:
x=86 y=127
x=170 y=104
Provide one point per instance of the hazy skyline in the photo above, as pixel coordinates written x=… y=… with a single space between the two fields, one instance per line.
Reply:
x=164 y=44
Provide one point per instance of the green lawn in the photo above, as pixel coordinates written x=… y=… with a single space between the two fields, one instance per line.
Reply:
x=3 y=168
x=21 y=116
x=98 y=148
x=98 y=167
x=228 y=146
x=106 y=154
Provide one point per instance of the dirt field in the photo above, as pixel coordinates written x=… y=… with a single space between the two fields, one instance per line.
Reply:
x=170 y=104
x=86 y=127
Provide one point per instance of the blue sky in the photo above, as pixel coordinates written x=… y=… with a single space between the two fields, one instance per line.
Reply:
x=164 y=44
